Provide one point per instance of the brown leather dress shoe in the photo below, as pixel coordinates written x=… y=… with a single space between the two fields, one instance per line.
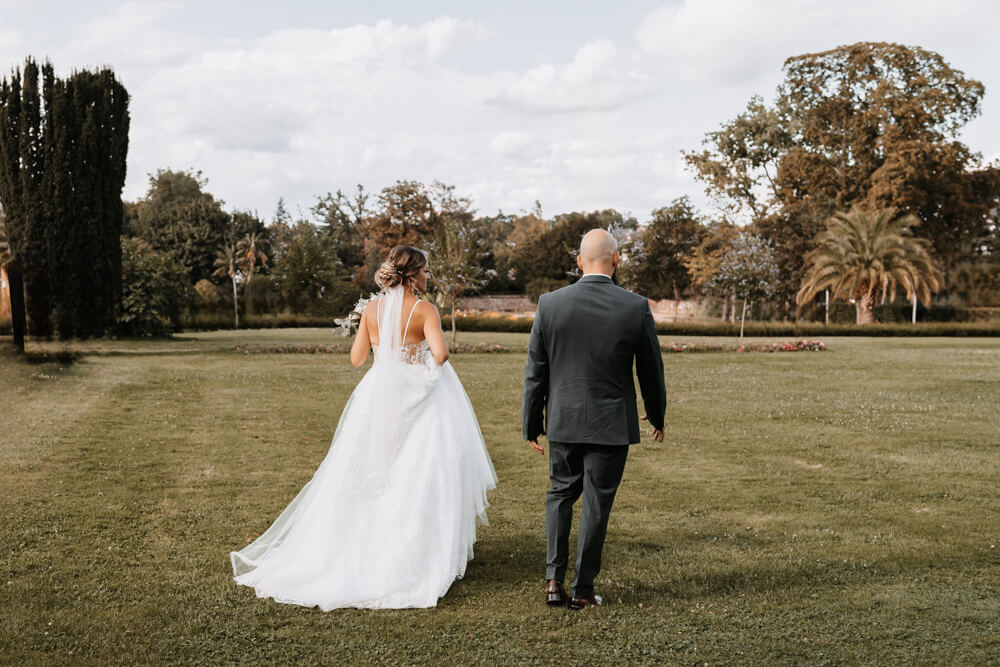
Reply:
x=579 y=603
x=555 y=596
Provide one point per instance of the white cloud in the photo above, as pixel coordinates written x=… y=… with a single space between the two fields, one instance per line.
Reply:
x=298 y=112
x=511 y=144
x=595 y=80
x=12 y=48
x=730 y=41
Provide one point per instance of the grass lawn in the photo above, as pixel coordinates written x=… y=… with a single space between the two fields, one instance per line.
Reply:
x=834 y=507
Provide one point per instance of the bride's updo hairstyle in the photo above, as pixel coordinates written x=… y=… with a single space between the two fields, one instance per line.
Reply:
x=400 y=267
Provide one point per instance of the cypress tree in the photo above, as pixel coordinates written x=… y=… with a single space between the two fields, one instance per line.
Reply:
x=61 y=177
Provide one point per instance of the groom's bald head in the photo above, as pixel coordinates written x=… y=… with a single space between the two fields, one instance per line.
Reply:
x=598 y=252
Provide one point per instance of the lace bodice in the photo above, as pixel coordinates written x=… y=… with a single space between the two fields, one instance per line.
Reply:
x=414 y=353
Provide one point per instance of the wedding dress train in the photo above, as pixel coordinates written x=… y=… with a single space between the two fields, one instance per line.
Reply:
x=389 y=518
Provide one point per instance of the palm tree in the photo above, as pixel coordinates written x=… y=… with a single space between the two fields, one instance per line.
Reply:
x=227 y=263
x=866 y=256
x=250 y=252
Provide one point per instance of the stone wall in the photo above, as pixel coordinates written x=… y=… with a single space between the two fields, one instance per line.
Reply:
x=497 y=303
x=664 y=310
x=670 y=310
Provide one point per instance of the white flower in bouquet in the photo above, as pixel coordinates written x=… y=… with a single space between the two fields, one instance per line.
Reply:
x=348 y=326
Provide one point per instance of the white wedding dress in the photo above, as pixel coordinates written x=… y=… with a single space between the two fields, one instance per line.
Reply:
x=389 y=518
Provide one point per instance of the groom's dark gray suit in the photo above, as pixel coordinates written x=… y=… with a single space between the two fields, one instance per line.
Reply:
x=579 y=392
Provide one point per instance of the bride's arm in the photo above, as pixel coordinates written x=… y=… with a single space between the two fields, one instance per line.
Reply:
x=434 y=335
x=362 y=341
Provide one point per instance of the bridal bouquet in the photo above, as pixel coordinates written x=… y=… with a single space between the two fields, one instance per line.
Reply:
x=347 y=326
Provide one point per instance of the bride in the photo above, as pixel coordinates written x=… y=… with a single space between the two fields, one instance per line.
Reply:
x=389 y=518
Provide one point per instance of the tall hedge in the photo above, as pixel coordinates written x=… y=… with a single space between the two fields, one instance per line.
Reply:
x=63 y=146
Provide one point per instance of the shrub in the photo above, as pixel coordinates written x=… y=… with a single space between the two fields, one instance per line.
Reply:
x=154 y=290
x=814 y=329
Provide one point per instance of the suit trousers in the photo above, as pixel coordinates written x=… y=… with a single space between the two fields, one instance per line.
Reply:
x=593 y=471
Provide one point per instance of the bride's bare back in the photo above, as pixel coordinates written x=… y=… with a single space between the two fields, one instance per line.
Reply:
x=422 y=323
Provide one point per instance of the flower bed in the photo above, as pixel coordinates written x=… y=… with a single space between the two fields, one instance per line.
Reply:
x=795 y=346
x=295 y=348
x=343 y=348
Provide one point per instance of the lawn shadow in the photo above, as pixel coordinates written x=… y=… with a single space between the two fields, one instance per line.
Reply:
x=503 y=563
x=64 y=357
x=813 y=578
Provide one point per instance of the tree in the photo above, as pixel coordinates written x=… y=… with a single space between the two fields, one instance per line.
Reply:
x=177 y=215
x=346 y=220
x=877 y=125
x=63 y=146
x=455 y=253
x=653 y=256
x=250 y=250
x=154 y=290
x=868 y=124
x=551 y=254
x=740 y=167
x=703 y=263
x=227 y=263
x=208 y=294
x=405 y=215
x=747 y=269
x=865 y=256
x=522 y=245
x=494 y=240
x=306 y=274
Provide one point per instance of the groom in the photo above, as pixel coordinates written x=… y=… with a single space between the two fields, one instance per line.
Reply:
x=579 y=374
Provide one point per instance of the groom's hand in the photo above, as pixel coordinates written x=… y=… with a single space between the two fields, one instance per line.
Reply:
x=657 y=433
x=534 y=445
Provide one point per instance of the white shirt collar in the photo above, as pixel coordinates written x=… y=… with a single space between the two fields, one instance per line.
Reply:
x=596 y=274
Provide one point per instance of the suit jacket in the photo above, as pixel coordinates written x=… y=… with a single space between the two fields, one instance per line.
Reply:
x=578 y=385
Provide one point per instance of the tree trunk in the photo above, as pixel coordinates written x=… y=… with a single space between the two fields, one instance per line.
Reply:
x=725 y=309
x=743 y=318
x=18 y=315
x=454 y=330
x=248 y=297
x=865 y=309
x=236 y=306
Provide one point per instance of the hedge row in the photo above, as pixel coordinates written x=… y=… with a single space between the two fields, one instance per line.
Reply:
x=815 y=329
x=769 y=329
x=900 y=313
x=487 y=323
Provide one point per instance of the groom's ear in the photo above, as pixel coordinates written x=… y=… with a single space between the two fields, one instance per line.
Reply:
x=579 y=261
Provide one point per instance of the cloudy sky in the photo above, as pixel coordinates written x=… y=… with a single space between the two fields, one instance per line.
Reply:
x=580 y=105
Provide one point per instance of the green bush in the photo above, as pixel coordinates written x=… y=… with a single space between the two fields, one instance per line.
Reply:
x=844 y=313
x=818 y=329
x=211 y=321
x=488 y=323
x=154 y=290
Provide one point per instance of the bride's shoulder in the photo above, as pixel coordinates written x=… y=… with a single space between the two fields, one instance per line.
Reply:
x=425 y=308
x=424 y=311
x=371 y=308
